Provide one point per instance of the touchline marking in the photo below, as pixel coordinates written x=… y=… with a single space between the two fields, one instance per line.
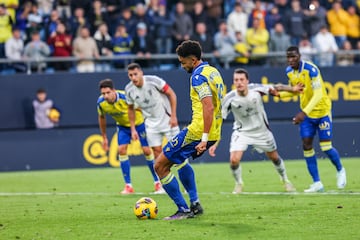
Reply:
x=10 y=194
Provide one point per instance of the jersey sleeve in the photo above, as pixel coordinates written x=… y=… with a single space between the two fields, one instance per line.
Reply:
x=263 y=89
x=201 y=86
x=226 y=104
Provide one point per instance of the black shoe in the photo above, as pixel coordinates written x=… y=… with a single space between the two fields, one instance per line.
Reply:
x=196 y=208
x=180 y=215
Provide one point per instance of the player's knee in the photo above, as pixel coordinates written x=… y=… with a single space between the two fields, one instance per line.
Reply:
x=234 y=162
x=307 y=146
x=123 y=149
x=147 y=151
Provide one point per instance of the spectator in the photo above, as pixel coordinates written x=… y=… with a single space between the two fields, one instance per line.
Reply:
x=206 y=40
x=144 y=45
x=242 y=49
x=163 y=22
x=294 y=23
x=353 y=27
x=224 y=41
x=97 y=16
x=272 y=17
x=306 y=49
x=141 y=15
x=60 y=42
x=84 y=48
x=113 y=9
x=42 y=108
x=338 y=20
x=22 y=17
x=214 y=10
x=14 y=49
x=279 y=42
x=122 y=43
x=198 y=14
x=51 y=25
x=345 y=57
x=183 y=25
x=35 y=23
x=5 y=29
x=129 y=20
x=259 y=13
x=11 y=7
x=84 y=4
x=257 y=39
x=37 y=50
x=247 y=5
x=325 y=44
x=314 y=18
x=45 y=7
x=77 y=22
x=237 y=20
x=64 y=9
x=104 y=45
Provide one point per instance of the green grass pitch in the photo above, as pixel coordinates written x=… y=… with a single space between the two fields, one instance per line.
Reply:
x=86 y=204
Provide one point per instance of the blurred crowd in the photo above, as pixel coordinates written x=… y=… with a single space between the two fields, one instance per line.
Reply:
x=234 y=32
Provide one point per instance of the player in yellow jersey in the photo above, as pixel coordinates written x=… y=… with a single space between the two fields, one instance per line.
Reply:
x=113 y=103
x=206 y=92
x=315 y=115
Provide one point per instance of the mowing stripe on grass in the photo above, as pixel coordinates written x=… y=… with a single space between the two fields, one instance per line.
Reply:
x=10 y=194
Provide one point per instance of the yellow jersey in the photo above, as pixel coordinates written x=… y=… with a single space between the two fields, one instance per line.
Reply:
x=205 y=81
x=118 y=110
x=314 y=100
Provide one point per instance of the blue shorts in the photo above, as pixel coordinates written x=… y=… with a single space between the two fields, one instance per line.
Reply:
x=310 y=126
x=124 y=135
x=177 y=150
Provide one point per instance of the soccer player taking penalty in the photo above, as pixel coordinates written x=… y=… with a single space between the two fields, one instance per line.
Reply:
x=206 y=92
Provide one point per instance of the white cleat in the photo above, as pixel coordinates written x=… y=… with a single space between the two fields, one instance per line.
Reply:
x=341 y=178
x=238 y=188
x=315 y=187
x=289 y=187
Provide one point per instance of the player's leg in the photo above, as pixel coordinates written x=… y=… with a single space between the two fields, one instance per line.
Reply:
x=281 y=170
x=154 y=140
x=307 y=131
x=325 y=136
x=238 y=145
x=124 y=137
x=171 y=186
x=235 y=157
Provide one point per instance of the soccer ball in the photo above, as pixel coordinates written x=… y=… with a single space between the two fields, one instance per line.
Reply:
x=145 y=208
x=54 y=114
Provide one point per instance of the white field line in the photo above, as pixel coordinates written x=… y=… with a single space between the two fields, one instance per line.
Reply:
x=10 y=194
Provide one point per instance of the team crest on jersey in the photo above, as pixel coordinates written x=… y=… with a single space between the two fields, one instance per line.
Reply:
x=146 y=101
x=324 y=125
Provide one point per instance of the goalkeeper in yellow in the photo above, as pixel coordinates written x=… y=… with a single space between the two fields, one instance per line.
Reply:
x=315 y=117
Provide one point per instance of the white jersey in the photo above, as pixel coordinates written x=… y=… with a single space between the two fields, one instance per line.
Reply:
x=249 y=113
x=153 y=102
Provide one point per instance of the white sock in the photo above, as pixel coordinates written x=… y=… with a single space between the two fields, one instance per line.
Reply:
x=237 y=174
x=280 y=168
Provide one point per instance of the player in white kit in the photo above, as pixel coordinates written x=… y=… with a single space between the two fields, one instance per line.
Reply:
x=158 y=103
x=250 y=126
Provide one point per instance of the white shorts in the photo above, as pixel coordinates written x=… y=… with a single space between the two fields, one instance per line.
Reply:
x=261 y=141
x=156 y=138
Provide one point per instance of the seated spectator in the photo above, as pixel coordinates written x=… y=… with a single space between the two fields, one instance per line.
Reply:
x=51 y=24
x=14 y=49
x=224 y=41
x=144 y=45
x=104 y=44
x=127 y=18
x=35 y=23
x=237 y=20
x=37 y=50
x=122 y=43
x=242 y=49
x=272 y=17
x=345 y=57
x=163 y=22
x=257 y=39
x=203 y=37
x=84 y=48
x=325 y=44
x=279 y=42
x=60 y=42
x=97 y=16
x=63 y=7
x=306 y=49
x=77 y=21
x=22 y=18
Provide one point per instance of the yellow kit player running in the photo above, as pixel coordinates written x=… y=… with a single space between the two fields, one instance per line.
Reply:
x=113 y=102
x=315 y=115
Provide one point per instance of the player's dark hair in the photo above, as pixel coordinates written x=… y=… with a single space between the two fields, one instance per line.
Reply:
x=189 y=48
x=242 y=70
x=106 y=83
x=293 y=49
x=133 y=66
